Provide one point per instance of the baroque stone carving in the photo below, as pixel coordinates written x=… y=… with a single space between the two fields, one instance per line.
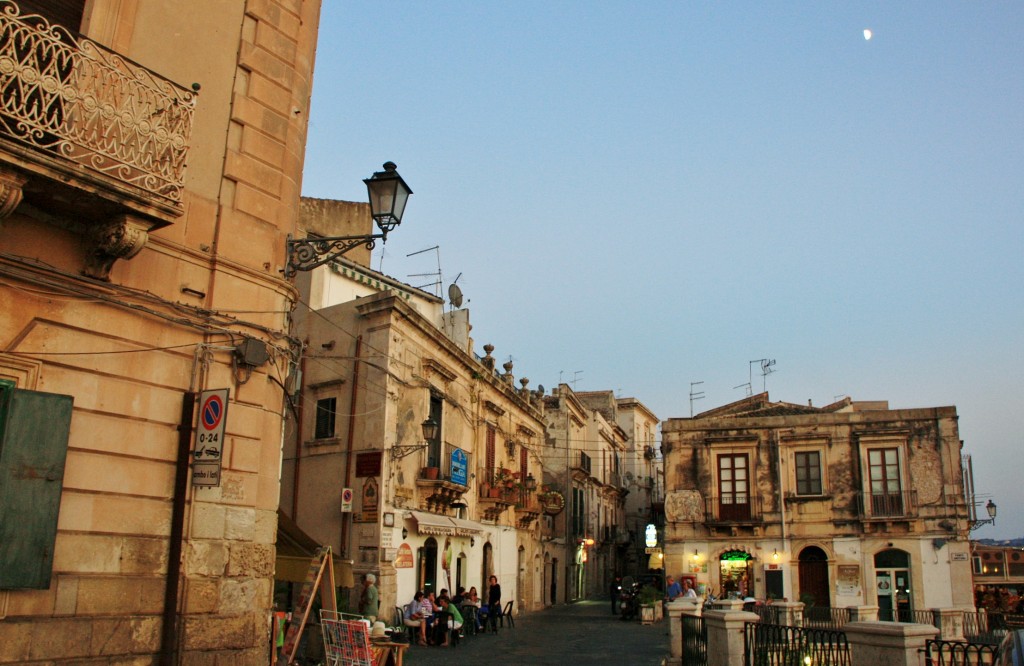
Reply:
x=122 y=238
x=10 y=192
x=684 y=506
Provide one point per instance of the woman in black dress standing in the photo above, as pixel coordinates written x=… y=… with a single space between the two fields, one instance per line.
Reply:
x=494 y=603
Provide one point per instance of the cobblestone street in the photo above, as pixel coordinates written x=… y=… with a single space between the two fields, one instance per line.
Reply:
x=582 y=633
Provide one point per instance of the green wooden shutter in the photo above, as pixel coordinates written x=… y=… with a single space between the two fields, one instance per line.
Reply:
x=34 y=429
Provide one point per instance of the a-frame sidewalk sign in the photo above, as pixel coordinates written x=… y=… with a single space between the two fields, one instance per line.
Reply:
x=322 y=563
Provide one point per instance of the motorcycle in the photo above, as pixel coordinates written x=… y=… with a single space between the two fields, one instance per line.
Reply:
x=629 y=599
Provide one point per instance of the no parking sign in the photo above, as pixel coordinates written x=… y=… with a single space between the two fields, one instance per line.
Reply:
x=209 y=444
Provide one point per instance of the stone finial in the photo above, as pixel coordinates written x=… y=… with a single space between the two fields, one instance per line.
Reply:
x=488 y=360
x=508 y=371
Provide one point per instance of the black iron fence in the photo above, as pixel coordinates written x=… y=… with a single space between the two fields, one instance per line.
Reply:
x=958 y=653
x=695 y=641
x=988 y=627
x=778 y=645
x=825 y=617
x=909 y=616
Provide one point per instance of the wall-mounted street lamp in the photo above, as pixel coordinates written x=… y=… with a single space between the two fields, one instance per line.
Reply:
x=429 y=428
x=388 y=195
x=530 y=482
x=991 y=509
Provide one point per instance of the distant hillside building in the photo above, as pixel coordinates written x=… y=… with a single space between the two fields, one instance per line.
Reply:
x=848 y=504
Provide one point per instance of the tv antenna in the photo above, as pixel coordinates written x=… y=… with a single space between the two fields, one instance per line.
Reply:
x=695 y=395
x=575 y=377
x=435 y=284
x=767 y=365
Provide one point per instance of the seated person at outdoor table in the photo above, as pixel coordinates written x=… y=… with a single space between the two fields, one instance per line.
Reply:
x=472 y=598
x=415 y=617
x=460 y=595
x=429 y=609
x=449 y=618
x=674 y=591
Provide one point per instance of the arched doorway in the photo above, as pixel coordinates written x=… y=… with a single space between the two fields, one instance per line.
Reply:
x=487 y=568
x=426 y=566
x=553 y=583
x=736 y=574
x=892 y=585
x=520 y=593
x=815 y=589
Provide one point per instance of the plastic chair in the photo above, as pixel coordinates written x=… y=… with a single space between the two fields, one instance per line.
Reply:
x=507 y=613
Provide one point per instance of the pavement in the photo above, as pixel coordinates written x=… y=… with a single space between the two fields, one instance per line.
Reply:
x=583 y=632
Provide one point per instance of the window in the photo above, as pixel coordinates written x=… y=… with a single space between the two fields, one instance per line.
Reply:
x=434 y=445
x=808 y=473
x=585 y=462
x=579 y=524
x=733 y=487
x=66 y=13
x=886 y=489
x=491 y=458
x=326 y=410
x=34 y=429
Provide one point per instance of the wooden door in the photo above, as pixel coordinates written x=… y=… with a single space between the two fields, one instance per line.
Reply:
x=814 y=577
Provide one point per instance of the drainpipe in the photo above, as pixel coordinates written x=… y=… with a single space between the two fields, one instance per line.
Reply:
x=351 y=438
x=299 y=411
x=169 y=637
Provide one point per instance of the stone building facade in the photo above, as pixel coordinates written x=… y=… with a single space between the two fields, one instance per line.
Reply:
x=143 y=238
x=426 y=513
x=848 y=504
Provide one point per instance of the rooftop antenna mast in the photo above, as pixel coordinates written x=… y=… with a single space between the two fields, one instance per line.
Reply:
x=435 y=285
x=767 y=365
x=695 y=395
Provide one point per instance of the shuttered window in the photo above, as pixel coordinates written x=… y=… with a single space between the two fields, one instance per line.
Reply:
x=34 y=429
x=326 y=411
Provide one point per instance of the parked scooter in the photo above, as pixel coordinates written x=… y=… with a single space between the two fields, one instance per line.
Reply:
x=629 y=599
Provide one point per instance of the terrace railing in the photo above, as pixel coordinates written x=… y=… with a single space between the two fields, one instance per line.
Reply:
x=959 y=653
x=67 y=97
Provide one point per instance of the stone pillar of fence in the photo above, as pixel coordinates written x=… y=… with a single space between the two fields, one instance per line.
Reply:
x=863 y=613
x=950 y=622
x=724 y=623
x=887 y=643
x=675 y=611
x=791 y=613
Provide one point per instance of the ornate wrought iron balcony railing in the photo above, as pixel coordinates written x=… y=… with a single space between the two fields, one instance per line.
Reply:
x=67 y=98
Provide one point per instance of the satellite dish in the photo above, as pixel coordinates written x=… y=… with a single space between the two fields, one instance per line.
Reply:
x=455 y=295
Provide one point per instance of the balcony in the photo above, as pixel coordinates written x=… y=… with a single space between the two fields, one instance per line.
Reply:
x=493 y=501
x=732 y=510
x=85 y=133
x=527 y=507
x=437 y=493
x=887 y=506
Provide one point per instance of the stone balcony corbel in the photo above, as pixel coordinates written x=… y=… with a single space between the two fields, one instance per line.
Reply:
x=122 y=237
x=11 y=191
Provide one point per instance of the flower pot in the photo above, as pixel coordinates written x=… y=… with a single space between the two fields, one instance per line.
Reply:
x=494 y=493
x=431 y=472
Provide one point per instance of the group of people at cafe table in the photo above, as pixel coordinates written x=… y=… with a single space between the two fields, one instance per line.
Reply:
x=436 y=618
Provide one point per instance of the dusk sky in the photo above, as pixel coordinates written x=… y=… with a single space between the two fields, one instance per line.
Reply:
x=637 y=196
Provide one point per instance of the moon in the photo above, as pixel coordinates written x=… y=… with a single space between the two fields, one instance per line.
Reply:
x=867 y=34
